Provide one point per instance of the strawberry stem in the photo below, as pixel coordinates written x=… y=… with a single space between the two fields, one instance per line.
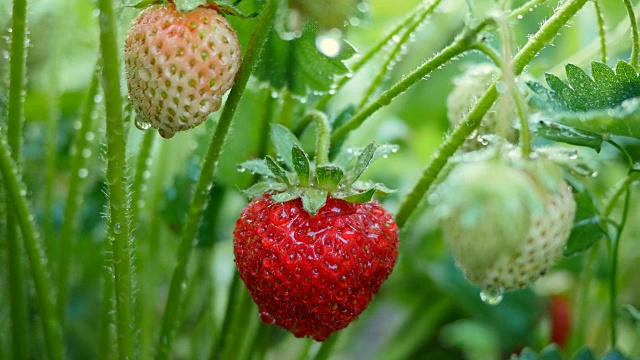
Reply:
x=116 y=177
x=601 y=32
x=198 y=202
x=323 y=136
x=634 y=33
x=536 y=43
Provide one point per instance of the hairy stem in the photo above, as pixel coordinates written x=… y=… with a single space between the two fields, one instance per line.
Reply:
x=116 y=177
x=613 y=280
x=525 y=8
x=536 y=43
x=601 y=32
x=635 y=46
x=460 y=45
x=206 y=176
x=142 y=166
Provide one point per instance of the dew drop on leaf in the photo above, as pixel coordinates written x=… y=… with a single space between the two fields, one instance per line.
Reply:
x=330 y=43
x=492 y=296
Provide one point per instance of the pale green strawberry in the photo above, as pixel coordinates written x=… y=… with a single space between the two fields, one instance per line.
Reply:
x=179 y=65
x=505 y=220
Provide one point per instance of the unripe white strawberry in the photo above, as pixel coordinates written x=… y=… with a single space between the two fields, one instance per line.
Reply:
x=506 y=221
x=179 y=65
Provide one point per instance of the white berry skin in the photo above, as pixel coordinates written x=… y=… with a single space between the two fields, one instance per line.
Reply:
x=505 y=223
x=179 y=65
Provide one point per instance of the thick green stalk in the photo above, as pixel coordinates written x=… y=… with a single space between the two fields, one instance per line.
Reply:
x=203 y=185
x=393 y=54
x=74 y=198
x=142 y=167
x=105 y=340
x=613 y=276
x=117 y=182
x=635 y=46
x=15 y=260
x=460 y=45
x=323 y=136
x=327 y=347
x=15 y=189
x=536 y=43
x=220 y=341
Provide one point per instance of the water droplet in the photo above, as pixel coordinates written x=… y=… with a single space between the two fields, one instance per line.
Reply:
x=329 y=43
x=519 y=17
x=241 y=169
x=492 y=296
x=267 y=318
x=83 y=173
x=89 y=136
x=141 y=124
x=98 y=98
x=117 y=228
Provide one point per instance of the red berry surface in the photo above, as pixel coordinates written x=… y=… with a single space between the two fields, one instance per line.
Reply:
x=179 y=65
x=314 y=275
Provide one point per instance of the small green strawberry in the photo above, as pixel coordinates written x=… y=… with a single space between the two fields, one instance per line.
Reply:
x=179 y=65
x=506 y=220
x=468 y=88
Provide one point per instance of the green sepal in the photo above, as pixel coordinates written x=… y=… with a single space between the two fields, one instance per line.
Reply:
x=380 y=189
x=231 y=9
x=362 y=163
x=263 y=187
x=277 y=170
x=287 y=195
x=139 y=4
x=313 y=200
x=587 y=228
x=188 y=5
x=300 y=164
x=283 y=141
x=257 y=166
x=360 y=198
x=329 y=176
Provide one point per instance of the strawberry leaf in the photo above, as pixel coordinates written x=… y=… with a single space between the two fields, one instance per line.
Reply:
x=329 y=176
x=283 y=141
x=567 y=134
x=300 y=164
x=605 y=103
x=298 y=65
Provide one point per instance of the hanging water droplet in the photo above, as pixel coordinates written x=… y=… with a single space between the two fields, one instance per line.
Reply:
x=330 y=43
x=117 y=228
x=492 y=296
x=241 y=169
x=141 y=124
x=267 y=318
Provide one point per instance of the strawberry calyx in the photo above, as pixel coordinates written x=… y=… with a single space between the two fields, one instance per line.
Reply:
x=224 y=8
x=294 y=175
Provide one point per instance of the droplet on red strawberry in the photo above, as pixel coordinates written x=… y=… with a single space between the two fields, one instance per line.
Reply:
x=179 y=66
x=312 y=247
x=505 y=219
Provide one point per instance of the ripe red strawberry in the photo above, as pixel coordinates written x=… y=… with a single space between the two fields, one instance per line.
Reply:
x=179 y=65
x=506 y=221
x=312 y=247
x=313 y=275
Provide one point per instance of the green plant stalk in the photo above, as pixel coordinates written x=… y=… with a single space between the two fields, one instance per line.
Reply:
x=14 y=189
x=601 y=32
x=258 y=334
x=323 y=136
x=232 y=301
x=582 y=315
x=18 y=291
x=490 y=52
x=206 y=176
x=617 y=191
x=287 y=109
x=15 y=261
x=536 y=43
x=613 y=280
x=395 y=51
x=105 y=340
x=463 y=43
x=375 y=50
x=116 y=177
x=67 y=233
x=635 y=46
x=327 y=347
x=240 y=326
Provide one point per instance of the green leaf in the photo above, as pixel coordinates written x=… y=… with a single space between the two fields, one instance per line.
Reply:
x=360 y=198
x=138 y=4
x=257 y=166
x=635 y=313
x=614 y=355
x=587 y=229
x=567 y=134
x=283 y=141
x=286 y=195
x=298 y=65
x=362 y=162
x=384 y=150
x=300 y=164
x=551 y=352
x=313 y=200
x=263 y=187
x=606 y=103
x=526 y=354
x=188 y=5
x=329 y=176
x=277 y=170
